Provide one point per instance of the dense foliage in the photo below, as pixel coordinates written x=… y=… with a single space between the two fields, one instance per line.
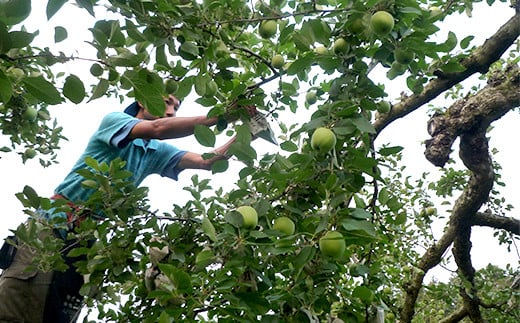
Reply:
x=273 y=54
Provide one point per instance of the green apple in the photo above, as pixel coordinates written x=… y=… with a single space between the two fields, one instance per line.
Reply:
x=16 y=72
x=435 y=11
x=321 y=50
x=323 y=140
x=310 y=97
x=249 y=216
x=267 y=28
x=340 y=46
x=30 y=113
x=332 y=244
x=356 y=27
x=221 y=50
x=171 y=86
x=211 y=89
x=382 y=23
x=430 y=211
x=277 y=61
x=383 y=107
x=403 y=56
x=284 y=225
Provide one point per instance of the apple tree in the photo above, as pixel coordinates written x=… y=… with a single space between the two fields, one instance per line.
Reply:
x=347 y=247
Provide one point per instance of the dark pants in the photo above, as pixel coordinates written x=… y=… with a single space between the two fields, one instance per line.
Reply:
x=38 y=297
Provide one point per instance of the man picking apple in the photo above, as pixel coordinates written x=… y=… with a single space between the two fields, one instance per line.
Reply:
x=135 y=136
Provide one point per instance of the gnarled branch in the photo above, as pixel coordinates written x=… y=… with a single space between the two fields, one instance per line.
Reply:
x=497 y=222
x=496 y=99
x=479 y=61
x=469 y=119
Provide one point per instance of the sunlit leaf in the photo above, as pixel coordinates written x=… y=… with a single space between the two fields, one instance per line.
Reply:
x=205 y=135
x=42 y=89
x=73 y=89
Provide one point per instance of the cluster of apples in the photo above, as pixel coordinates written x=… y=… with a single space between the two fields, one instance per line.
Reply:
x=332 y=243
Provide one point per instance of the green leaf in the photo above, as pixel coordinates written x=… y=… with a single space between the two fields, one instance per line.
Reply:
x=303 y=257
x=365 y=228
x=87 y=4
x=92 y=163
x=134 y=33
x=60 y=34
x=242 y=151
x=289 y=146
x=189 y=50
x=464 y=43
x=117 y=38
x=453 y=67
x=301 y=64
x=100 y=89
x=148 y=90
x=209 y=229
x=301 y=41
x=5 y=39
x=90 y=183
x=160 y=56
x=127 y=59
x=6 y=87
x=400 y=219
x=73 y=89
x=200 y=84
x=179 y=278
x=13 y=12
x=387 y=151
x=205 y=135
x=53 y=6
x=31 y=196
x=42 y=90
x=360 y=214
x=234 y=218
x=21 y=39
x=449 y=44
x=364 y=293
x=410 y=10
x=219 y=166
x=165 y=318
x=363 y=124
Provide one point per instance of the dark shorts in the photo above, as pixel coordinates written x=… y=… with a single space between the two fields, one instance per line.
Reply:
x=36 y=297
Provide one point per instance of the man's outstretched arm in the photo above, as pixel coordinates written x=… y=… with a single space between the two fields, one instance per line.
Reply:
x=177 y=127
x=192 y=160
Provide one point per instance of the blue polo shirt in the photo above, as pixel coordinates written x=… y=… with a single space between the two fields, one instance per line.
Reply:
x=143 y=157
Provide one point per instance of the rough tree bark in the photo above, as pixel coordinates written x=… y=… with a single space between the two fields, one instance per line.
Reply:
x=468 y=119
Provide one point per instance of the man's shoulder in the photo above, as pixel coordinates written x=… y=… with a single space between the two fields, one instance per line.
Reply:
x=115 y=118
x=118 y=115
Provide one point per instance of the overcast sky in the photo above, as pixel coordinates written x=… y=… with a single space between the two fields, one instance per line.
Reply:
x=79 y=121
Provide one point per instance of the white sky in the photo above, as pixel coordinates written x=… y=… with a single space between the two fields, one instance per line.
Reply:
x=81 y=120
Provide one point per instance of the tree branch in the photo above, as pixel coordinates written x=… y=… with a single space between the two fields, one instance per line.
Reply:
x=455 y=316
x=496 y=221
x=479 y=61
x=489 y=104
x=475 y=156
